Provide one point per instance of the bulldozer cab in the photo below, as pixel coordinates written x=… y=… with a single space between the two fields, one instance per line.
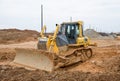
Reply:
x=71 y=31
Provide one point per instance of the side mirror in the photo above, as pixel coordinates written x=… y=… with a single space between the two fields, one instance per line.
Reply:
x=56 y=24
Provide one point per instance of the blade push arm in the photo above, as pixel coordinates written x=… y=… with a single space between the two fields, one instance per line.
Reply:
x=43 y=31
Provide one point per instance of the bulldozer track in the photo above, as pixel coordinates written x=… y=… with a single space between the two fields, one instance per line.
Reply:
x=80 y=54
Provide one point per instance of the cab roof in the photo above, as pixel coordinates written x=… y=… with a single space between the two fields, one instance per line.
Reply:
x=78 y=22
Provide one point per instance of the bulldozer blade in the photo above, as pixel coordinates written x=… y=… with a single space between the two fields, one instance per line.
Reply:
x=34 y=59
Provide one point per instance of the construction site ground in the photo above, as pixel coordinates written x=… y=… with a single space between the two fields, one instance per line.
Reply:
x=103 y=66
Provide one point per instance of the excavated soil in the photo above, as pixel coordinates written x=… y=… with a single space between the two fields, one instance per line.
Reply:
x=9 y=73
x=103 y=66
x=6 y=54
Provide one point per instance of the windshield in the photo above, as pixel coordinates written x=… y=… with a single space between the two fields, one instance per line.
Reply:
x=69 y=28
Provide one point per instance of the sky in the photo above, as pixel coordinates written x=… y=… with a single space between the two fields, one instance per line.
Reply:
x=101 y=15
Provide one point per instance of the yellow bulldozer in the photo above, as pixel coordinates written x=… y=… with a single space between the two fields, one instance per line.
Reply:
x=67 y=46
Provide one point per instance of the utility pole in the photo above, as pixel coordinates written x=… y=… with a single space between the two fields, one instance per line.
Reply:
x=70 y=19
x=41 y=16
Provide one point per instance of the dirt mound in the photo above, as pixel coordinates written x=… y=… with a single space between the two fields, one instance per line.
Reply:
x=92 y=33
x=8 y=36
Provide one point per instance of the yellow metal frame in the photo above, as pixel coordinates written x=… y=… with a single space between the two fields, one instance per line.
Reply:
x=43 y=31
x=51 y=43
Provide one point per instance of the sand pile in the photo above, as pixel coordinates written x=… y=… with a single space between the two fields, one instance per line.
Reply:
x=92 y=33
